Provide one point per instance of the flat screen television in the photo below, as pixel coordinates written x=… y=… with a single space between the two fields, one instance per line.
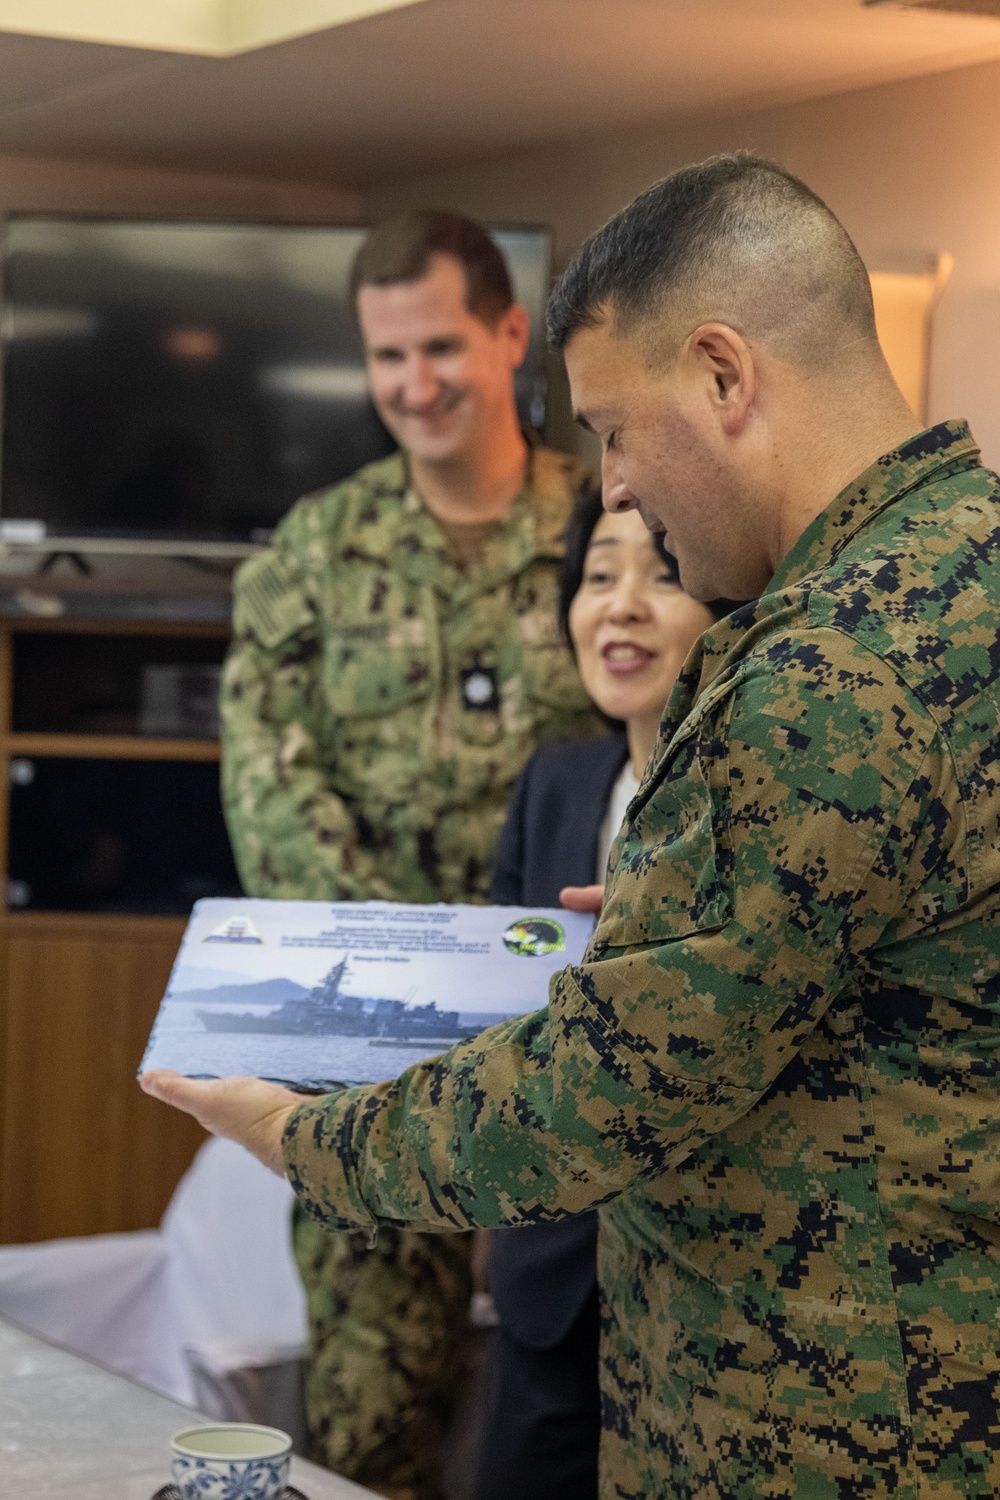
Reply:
x=184 y=381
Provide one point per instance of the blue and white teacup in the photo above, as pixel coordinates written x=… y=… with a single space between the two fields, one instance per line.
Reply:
x=231 y=1461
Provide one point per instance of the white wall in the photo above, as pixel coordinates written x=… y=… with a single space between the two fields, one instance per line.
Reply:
x=910 y=168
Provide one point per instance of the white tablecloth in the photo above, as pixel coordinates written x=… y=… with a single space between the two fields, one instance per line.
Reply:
x=70 y=1430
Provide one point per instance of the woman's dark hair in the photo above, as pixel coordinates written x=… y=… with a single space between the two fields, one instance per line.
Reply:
x=581 y=527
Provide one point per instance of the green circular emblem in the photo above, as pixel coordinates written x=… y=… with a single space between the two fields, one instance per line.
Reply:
x=533 y=936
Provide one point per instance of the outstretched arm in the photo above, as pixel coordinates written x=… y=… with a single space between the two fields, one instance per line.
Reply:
x=776 y=843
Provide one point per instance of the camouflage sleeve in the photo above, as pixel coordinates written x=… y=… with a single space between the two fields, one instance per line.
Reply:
x=773 y=840
x=292 y=836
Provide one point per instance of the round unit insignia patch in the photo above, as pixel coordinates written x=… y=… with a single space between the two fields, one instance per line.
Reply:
x=534 y=936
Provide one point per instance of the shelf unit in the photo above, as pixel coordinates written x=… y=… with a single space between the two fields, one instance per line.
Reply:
x=109 y=747
x=82 y=1149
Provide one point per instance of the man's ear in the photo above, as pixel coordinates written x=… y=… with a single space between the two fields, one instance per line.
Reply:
x=517 y=330
x=723 y=363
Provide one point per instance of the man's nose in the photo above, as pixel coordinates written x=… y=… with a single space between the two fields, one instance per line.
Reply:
x=420 y=383
x=615 y=493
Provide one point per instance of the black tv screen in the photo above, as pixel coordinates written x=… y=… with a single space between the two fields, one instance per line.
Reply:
x=190 y=381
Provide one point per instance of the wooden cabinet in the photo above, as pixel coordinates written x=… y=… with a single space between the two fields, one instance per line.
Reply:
x=82 y=1149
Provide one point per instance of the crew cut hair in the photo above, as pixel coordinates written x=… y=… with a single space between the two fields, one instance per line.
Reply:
x=400 y=250
x=734 y=239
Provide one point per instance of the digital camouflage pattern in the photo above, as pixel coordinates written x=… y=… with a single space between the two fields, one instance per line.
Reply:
x=386 y=1350
x=355 y=767
x=777 y=1066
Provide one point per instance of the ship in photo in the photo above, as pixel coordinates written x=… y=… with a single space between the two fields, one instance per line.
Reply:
x=327 y=1011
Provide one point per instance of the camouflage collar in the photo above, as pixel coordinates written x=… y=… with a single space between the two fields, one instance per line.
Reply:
x=947 y=446
x=399 y=529
x=934 y=452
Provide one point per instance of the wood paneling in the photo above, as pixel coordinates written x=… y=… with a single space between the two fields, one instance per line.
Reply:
x=82 y=1149
x=111 y=747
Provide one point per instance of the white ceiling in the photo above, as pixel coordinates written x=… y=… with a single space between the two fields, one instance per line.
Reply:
x=444 y=81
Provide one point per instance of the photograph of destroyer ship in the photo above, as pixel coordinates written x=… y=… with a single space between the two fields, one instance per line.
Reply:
x=327 y=1011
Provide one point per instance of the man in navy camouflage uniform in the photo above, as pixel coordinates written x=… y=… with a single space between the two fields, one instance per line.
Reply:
x=396 y=658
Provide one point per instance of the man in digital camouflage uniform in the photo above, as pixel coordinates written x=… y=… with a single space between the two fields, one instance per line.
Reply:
x=776 y=1068
x=395 y=661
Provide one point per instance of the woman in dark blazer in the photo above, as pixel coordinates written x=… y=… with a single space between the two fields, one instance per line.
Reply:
x=631 y=626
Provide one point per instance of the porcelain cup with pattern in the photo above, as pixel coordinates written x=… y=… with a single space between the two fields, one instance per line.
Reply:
x=230 y=1461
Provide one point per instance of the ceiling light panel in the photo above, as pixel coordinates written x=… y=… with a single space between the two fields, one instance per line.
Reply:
x=212 y=28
